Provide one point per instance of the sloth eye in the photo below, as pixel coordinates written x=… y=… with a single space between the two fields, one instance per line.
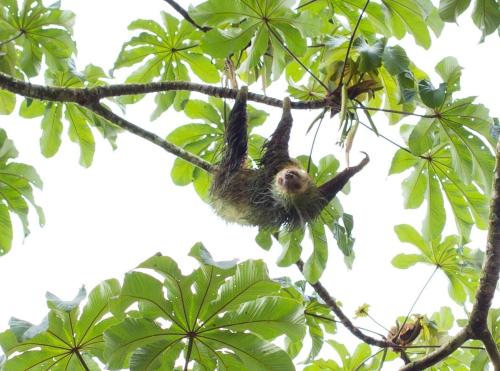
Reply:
x=291 y=174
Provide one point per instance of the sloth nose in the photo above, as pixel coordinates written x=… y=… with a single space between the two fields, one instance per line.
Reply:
x=290 y=175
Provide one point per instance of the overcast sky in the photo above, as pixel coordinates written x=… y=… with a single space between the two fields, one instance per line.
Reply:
x=105 y=220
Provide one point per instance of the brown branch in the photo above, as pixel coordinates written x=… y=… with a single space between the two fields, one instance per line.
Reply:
x=151 y=137
x=491 y=268
x=186 y=16
x=323 y=294
x=492 y=349
x=87 y=95
x=441 y=353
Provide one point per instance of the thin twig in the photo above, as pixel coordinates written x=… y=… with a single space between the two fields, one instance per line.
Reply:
x=351 y=40
x=305 y=4
x=387 y=139
x=323 y=294
x=337 y=321
x=416 y=301
x=404 y=113
x=292 y=54
x=151 y=137
x=186 y=16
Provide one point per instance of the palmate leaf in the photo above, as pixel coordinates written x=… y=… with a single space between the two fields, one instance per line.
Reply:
x=16 y=192
x=262 y=25
x=67 y=339
x=451 y=158
x=220 y=307
x=434 y=180
x=206 y=139
x=80 y=121
x=164 y=52
x=43 y=31
x=460 y=265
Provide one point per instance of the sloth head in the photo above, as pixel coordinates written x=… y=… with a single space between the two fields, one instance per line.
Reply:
x=291 y=182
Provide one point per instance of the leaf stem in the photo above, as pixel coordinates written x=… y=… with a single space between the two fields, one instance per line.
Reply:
x=404 y=113
x=296 y=58
x=387 y=139
x=82 y=361
x=351 y=41
x=416 y=301
x=15 y=37
x=188 y=353
x=186 y=15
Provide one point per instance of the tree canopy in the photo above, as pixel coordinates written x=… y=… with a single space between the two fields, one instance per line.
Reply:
x=342 y=60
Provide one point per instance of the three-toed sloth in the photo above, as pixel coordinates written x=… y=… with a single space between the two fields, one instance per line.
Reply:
x=279 y=192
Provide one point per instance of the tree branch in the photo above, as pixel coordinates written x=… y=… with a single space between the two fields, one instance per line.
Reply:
x=151 y=137
x=88 y=95
x=186 y=16
x=441 y=353
x=492 y=349
x=323 y=294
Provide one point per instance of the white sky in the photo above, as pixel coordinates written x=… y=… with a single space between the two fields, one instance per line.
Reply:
x=105 y=220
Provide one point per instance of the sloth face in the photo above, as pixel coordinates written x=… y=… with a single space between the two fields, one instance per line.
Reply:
x=292 y=181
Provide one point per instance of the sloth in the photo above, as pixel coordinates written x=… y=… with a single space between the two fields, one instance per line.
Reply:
x=278 y=193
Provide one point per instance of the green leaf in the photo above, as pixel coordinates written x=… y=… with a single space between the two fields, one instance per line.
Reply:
x=410 y=15
x=51 y=130
x=45 y=31
x=292 y=249
x=7 y=102
x=5 y=230
x=16 y=190
x=402 y=160
x=486 y=16
x=221 y=43
x=431 y=97
x=395 y=60
x=436 y=217
x=202 y=67
x=79 y=132
x=370 y=56
x=449 y=10
x=53 y=344
x=254 y=352
x=233 y=310
x=264 y=239
x=268 y=317
x=405 y=261
x=316 y=263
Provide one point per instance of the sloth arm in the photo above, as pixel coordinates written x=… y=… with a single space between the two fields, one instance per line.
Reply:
x=236 y=136
x=276 y=148
x=329 y=189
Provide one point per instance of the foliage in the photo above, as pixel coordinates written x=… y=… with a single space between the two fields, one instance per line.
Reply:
x=342 y=54
x=68 y=337
x=16 y=192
